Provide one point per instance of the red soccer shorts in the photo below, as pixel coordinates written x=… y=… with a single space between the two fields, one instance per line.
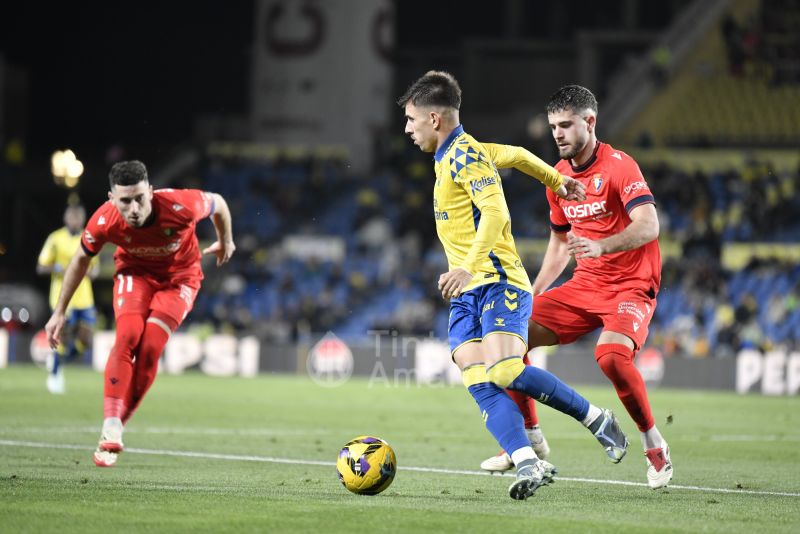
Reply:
x=573 y=310
x=142 y=295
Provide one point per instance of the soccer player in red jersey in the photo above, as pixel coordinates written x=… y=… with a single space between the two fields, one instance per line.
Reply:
x=158 y=275
x=613 y=236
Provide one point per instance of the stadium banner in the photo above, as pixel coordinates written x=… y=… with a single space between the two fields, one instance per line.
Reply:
x=776 y=372
x=215 y=355
x=772 y=373
x=387 y=359
x=321 y=73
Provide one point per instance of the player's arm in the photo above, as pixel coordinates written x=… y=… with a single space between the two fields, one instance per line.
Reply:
x=223 y=247
x=643 y=229
x=494 y=216
x=516 y=157
x=73 y=275
x=556 y=259
x=42 y=268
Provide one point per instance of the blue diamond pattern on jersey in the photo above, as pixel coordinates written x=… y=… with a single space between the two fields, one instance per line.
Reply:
x=463 y=159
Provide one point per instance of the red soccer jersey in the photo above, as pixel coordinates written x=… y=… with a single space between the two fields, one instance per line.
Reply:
x=166 y=248
x=614 y=186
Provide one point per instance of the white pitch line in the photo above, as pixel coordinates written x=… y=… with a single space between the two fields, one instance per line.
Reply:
x=274 y=460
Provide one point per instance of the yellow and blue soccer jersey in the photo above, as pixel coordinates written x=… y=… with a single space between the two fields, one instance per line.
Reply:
x=58 y=250
x=467 y=184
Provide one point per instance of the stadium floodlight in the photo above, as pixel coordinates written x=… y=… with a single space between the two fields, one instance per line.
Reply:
x=67 y=169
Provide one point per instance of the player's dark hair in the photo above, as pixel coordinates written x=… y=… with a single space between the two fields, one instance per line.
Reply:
x=572 y=97
x=127 y=173
x=436 y=88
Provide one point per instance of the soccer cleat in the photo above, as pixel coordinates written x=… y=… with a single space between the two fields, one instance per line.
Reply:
x=498 y=464
x=103 y=458
x=530 y=478
x=111 y=439
x=608 y=432
x=502 y=461
x=55 y=383
x=659 y=466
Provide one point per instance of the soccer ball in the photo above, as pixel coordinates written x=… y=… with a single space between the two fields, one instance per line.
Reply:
x=366 y=465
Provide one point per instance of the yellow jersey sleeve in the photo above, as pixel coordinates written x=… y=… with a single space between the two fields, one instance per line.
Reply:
x=480 y=182
x=508 y=156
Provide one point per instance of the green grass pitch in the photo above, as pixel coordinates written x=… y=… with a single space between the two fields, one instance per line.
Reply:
x=256 y=455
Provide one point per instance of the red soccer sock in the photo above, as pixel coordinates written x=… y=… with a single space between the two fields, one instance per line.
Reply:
x=616 y=361
x=119 y=367
x=525 y=402
x=154 y=340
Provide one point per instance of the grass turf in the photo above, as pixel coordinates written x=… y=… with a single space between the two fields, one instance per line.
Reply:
x=718 y=440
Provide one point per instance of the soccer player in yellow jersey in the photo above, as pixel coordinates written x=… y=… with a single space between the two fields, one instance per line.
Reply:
x=56 y=254
x=486 y=284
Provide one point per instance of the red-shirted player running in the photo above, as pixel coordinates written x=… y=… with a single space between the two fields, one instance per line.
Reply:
x=613 y=236
x=158 y=276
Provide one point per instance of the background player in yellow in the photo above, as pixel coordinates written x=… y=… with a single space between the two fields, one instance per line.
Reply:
x=486 y=284
x=56 y=254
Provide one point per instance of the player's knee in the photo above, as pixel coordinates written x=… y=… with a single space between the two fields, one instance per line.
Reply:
x=615 y=361
x=474 y=374
x=127 y=340
x=504 y=372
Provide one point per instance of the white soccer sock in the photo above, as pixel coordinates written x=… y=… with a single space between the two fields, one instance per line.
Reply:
x=651 y=439
x=594 y=413
x=112 y=424
x=522 y=454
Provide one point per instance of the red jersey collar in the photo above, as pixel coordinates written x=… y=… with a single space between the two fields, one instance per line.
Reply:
x=589 y=162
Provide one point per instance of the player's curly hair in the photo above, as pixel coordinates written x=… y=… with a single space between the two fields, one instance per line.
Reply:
x=435 y=88
x=572 y=97
x=127 y=173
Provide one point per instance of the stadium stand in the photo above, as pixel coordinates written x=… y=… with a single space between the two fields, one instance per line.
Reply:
x=737 y=88
x=385 y=280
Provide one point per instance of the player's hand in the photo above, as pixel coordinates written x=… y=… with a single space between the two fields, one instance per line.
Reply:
x=572 y=189
x=580 y=247
x=223 y=250
x=452 y=282
x=53 y=329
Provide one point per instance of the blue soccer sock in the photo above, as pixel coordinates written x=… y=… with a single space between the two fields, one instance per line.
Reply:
x=501 y=415
x=54 y=363
x=545 y=387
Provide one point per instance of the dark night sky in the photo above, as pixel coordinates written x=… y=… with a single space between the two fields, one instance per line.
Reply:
x=140 y=72
x=127 y=72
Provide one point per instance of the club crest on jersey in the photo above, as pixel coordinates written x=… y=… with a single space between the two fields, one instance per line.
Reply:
x=177 y=207
x=598 y=182
x=101 y=221
x=168 y=231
